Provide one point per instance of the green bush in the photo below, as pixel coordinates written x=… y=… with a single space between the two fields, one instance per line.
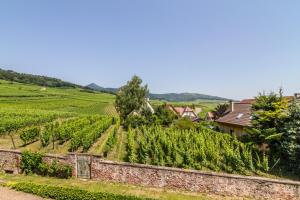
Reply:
x=59 y=170
x=133 y=121
x=63 y=193
x=30 y=162
x=33 y=163
x=184 y=124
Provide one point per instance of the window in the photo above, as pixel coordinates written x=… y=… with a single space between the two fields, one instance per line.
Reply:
x=240 y=116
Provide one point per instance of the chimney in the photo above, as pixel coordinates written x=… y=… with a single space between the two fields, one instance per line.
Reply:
x=231 y=106
x=297 y=96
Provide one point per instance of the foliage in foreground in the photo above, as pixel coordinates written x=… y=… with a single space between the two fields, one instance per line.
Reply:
x=196 y=149
x=276 y=122
x=290 y=145
x=33 y=163
x=268 y=114
x=63 y=193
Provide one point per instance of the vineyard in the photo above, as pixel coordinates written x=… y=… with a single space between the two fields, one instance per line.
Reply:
x=56 y=120
x=195 y=149
x=78 y=133
x=66 y=120
x=19 y=97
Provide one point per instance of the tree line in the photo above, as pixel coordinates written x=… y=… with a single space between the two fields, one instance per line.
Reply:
x=45 y=81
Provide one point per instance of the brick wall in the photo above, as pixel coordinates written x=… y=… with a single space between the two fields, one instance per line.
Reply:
x=196 y=181
x=190 y=180
x=10 y=161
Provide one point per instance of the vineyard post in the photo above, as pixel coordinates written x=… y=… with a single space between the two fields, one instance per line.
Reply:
x=12 y=139
x=10 y=130
x=52 y=140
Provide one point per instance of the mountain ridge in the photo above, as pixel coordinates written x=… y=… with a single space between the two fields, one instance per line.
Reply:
x=177 y=97
x=46 y=81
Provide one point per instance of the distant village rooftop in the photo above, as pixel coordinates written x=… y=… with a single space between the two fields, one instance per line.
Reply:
x=184 y=111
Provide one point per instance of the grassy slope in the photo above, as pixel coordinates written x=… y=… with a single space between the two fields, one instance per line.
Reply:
x=20 y=96
x=115 y=188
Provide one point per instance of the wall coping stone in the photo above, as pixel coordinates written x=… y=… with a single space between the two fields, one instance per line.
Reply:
x=10 y=151
x=44 y=155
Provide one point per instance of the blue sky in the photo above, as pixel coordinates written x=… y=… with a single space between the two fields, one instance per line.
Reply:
x=229 y=48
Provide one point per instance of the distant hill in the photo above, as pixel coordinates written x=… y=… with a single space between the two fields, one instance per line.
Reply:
x=46 y=81
x=10 y=75
x=167 y=97
x=184 y=97
x=96 y=87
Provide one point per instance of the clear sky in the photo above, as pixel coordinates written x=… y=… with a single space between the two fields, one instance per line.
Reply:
x=229 y=48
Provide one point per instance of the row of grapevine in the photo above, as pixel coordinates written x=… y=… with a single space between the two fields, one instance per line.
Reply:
x=86 y=137
x=112 y=139
x=81 y=131
x=64 y=131
x=131 y=146
x=196 y=149
x=14 y=120
x=30 y=134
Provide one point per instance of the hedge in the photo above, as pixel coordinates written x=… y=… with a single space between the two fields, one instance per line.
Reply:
x=64 y=193
x=33 y=163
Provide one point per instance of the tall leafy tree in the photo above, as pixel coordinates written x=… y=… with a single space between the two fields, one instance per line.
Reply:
x=131 y=97
x=269 y=110
x=268 y=115
x=290 y=146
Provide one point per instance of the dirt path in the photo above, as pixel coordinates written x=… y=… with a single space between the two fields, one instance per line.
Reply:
x=98 y=146
x=7 y=194
x=122 y=146
x=113 y=154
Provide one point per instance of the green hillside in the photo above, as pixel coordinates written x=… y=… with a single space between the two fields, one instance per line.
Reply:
x=30 y=114
x=171 y=97
x=10 y=75
x=76 y=100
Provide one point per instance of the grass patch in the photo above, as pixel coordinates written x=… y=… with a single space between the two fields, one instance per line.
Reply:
x=98 y=146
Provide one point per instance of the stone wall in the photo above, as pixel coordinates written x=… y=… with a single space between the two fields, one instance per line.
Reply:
x=195 y=181
x=10 y=161
x=173 y=178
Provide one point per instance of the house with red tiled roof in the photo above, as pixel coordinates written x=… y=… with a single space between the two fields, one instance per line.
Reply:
x=184 y=111
x=239 y=115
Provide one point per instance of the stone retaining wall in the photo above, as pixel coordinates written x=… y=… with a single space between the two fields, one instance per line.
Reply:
x=173 y=178
x=10 y=161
